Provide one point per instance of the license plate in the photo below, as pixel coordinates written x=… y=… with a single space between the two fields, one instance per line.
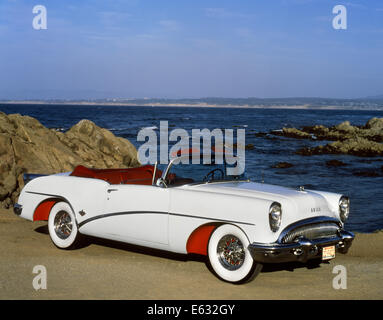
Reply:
x=328 y=253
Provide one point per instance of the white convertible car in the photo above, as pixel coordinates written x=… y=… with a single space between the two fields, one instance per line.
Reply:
x=191 y=209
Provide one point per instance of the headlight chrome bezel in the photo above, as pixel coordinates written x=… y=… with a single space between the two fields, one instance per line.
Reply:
x=275 y=216
x=344 y=208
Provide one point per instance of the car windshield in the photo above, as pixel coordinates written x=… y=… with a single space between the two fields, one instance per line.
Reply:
x=181 y=174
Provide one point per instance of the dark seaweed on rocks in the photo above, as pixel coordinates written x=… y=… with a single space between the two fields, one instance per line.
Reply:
x=335 y=163
x=282 y=165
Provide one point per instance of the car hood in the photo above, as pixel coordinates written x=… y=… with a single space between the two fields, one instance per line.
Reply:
x=295 y=202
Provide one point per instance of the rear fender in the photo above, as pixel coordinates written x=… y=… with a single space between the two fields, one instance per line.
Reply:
x=42 y=211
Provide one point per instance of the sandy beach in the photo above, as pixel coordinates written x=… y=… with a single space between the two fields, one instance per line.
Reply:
x=109 y=270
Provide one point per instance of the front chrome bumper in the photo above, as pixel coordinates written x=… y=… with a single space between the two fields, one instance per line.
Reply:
x=302 y=250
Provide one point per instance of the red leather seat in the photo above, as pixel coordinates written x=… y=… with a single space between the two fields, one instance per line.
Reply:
x=141 y=175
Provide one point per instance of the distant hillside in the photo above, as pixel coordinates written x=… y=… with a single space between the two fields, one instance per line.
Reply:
x=372 y=102
x=375 y=102
x=378 y=97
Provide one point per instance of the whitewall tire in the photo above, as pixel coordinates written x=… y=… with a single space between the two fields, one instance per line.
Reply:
x=229 y=257
x=62 y=226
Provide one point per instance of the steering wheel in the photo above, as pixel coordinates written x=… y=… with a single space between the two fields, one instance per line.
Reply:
x=212 y=174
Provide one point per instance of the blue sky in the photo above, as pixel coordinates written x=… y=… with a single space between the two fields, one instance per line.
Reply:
x=191 y=49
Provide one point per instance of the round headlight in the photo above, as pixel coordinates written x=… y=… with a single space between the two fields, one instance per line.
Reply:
x=344 y=208
x=275 y=216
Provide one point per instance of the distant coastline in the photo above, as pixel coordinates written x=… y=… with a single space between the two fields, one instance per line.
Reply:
x=201 y=105
x=240 y=103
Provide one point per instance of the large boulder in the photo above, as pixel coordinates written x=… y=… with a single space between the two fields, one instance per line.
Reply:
x=27 y=146
x=375 y=124
x=345 y=127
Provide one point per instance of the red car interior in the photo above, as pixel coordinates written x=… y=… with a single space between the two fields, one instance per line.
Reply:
x=141 y=175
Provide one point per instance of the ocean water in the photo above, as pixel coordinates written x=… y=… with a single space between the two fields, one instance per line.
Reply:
x=366 y=193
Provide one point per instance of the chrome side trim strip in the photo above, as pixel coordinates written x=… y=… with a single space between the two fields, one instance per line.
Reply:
x=159 y=212
x=140 y=212
x=212 y=219
x=107 y=215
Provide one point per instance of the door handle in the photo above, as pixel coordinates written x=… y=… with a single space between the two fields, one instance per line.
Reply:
x=111 y=190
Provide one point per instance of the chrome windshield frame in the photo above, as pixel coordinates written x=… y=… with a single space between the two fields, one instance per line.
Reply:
x=188 y=157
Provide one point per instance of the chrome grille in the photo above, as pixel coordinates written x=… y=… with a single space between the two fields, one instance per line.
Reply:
x=312 y=232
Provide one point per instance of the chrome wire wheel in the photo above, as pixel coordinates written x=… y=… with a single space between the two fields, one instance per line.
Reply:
x=229 y=256
x=63 y=224
x=231 y=252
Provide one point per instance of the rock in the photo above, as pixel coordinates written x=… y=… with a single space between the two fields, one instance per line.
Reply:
x=366 y=173
x=295 y=133
x=372 y=130
x=362 y=141
x=282 y=165
x=335 y=163
x=345 y=127
x=307 y=151
x=357 y=146
x=249 y=146
x=27 y=146
x=318 y=130
x=309 y=132
x=97 y=142
x=374 y=124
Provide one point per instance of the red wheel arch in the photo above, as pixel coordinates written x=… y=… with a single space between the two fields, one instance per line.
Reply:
x=199 y=239
x=43 y=209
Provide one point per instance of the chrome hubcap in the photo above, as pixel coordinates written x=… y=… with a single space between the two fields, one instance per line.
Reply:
x=231 y=253
x=63 y=225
